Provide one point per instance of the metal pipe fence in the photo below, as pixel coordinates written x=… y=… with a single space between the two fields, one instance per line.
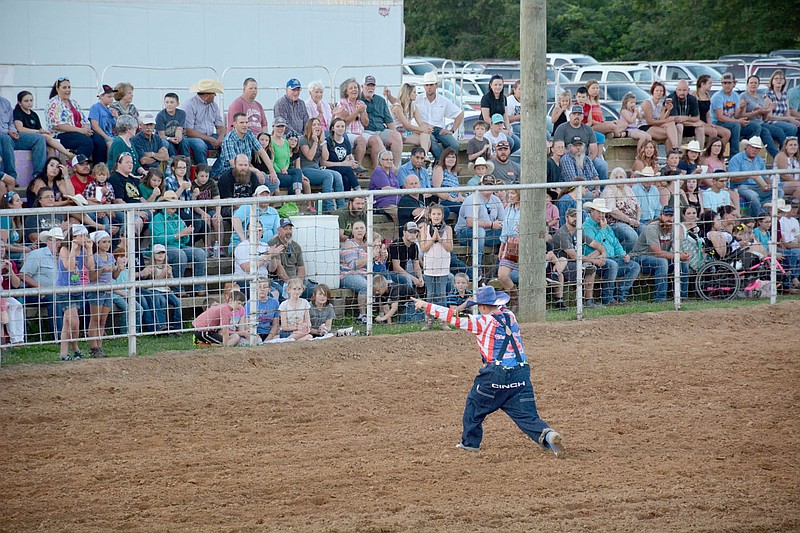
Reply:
x=139 y=246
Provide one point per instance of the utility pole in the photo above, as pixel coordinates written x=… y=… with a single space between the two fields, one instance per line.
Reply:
x=533 y=45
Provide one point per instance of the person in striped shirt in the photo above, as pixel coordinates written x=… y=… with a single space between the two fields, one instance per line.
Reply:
x=504 y=382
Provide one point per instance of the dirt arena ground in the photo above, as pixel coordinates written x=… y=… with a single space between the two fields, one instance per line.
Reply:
x=358 y=435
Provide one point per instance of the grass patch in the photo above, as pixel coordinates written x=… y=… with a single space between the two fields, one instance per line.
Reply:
x=148 y=345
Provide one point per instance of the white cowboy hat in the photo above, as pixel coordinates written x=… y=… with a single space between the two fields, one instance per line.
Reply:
x=599 y=204
x=783 y=207
x=692 y=146
x=481 y=161
x=430 y=78
x=755 y=142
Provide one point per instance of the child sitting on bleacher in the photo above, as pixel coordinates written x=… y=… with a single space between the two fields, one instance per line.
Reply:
x=267 y=312
x=222 y=324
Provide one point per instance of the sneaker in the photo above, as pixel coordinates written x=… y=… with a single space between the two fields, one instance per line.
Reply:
x=551 y=281
x=65 y=357
x=466 y=448
x=210 y=252
x=360 y=170
x=591 y=304
x=556 y=443
x=77 y=355
x=362 y=319
x=560 y=305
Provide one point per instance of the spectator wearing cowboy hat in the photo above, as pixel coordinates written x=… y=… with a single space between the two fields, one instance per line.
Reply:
x=619 y=271
x=39 y=271
x=482 y=168
x=169 y=230
x=435 y=109
x=204 y=118
x=648 y=196
x=490 y=217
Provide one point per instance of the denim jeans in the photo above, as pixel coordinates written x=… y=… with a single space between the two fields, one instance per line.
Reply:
x=755 y=196
x=659 y=268
x=354 y=282
x=738 y=133
x=330 y=180
x=160 y=302
x=618 y=277
x=626 y=235
x=485 y=238
x=292 y=180
x=121 y=303
x=441 y=141
x=180 y=258
x=792 y=262
x=601 y=166
x=92 y=146
x=27 y=141
x=497 y=388
x=54 y=321
x=349 y=178
x=436 y=289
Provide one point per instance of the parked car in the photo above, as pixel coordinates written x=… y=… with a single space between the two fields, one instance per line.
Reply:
x=568 y=64
x=419 y=65
x=641 y=75
x=612 y=92
x=788 y=54
x=465 y=88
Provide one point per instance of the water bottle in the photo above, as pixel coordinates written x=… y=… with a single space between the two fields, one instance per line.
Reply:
x=216 y=249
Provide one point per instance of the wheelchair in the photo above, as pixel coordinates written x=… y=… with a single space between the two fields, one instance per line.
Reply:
x=724 y=279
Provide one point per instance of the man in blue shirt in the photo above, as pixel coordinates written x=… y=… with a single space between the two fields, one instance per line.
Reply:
x=150 y=148
x=755 y=189
x=726 y=111
x=415 y=165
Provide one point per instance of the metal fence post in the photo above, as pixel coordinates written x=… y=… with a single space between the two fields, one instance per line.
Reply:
x=130 y=236
x=579 y=256
x=773 y=243
x=370 y=262
x=676 y=243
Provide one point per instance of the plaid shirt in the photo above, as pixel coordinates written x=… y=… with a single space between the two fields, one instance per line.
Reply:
x=171 y=184
x=294 y=113
x=781 y=106
x=232 y=146
x=571 y=172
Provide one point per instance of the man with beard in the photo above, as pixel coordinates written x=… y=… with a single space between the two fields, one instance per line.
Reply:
x=575 y=166
x=687 y=110
x=238 y=182
x=575 y=128
x=241 y=140
x=565 y=243
x=355 y=210
x=80 y=173
x=505 y=170
x=291 y=260
x=126 y=188
x=654 y=252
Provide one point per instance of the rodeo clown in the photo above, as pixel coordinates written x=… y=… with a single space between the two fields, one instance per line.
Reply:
x=504 y=382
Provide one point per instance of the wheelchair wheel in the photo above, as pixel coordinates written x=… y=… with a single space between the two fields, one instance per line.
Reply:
x=717 y=280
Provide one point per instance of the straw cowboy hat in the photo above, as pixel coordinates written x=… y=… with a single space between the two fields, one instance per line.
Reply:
x=169 y=196
x=481 y=161
x=756 y=142
x=207 y=86
x=599 y=204
x=647 y=172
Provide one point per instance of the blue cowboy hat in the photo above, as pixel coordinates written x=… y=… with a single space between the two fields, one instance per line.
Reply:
x=488 y=296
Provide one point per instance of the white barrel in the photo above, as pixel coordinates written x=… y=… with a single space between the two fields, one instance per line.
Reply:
x=318 y=235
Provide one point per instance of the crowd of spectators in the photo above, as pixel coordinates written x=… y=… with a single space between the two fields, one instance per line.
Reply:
x=116 y=155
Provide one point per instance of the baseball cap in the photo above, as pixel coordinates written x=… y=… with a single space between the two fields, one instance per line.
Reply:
x=286 y=222
x=260 y=189
x=78 y=159
x=668 y=210
x=279 y=121
x=571 y=212
x=106 y=89
x=158 y=248
x=576 y=140
x=148 y=118
x=576 y=109
x=497 y=118
x=369 y=80
x=728 y=76
x=293 y=83
x=411 y=226
x=503 y=144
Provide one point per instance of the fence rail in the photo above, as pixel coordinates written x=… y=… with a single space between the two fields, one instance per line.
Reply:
x=137 y=246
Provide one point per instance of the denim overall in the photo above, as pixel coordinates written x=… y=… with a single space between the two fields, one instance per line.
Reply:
x=503 y=387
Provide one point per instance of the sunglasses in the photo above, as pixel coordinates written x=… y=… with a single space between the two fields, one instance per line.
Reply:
x=62 y=79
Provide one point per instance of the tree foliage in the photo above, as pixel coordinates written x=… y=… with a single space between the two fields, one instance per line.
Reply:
x=609 y=30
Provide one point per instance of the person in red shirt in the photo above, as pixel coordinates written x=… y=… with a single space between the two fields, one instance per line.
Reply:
x=81 y=176
x=222 y=324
